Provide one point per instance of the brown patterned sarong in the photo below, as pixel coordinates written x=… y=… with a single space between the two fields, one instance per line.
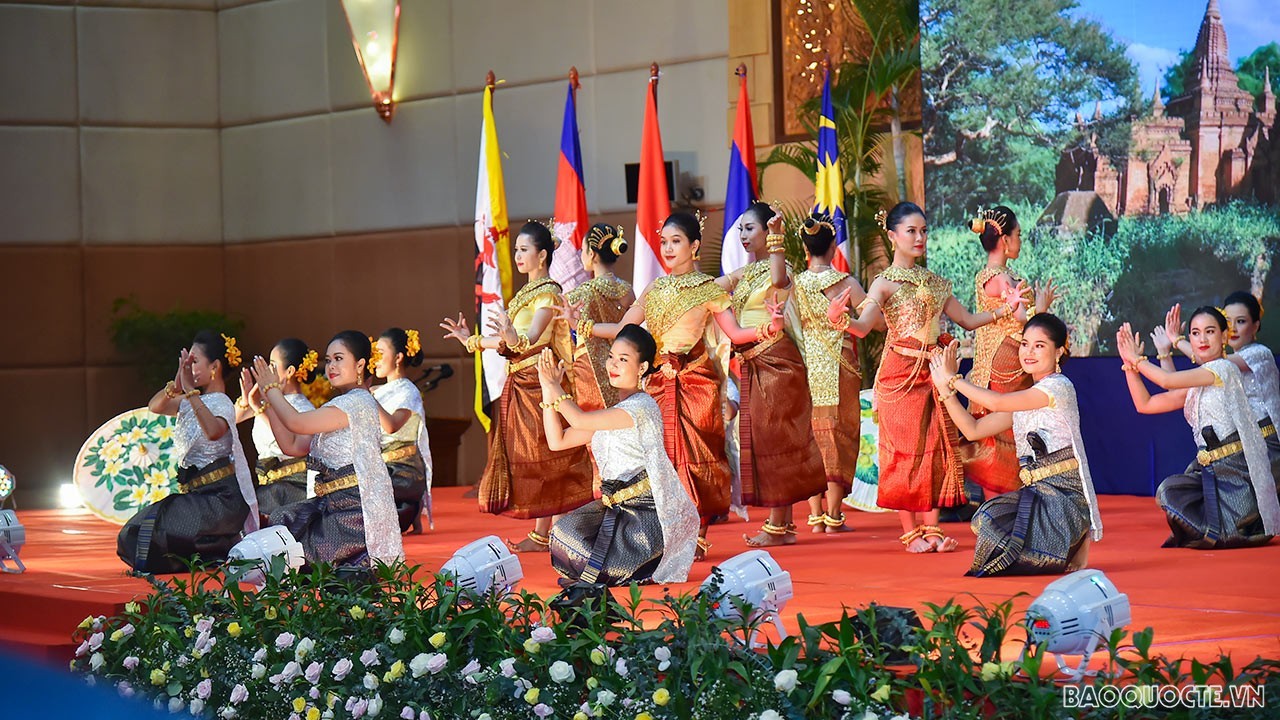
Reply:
x=993 y=462
x=523 y=478
x=837 y=429
x=780 y=464
x=693 y=427
x=919 y=462
x=586 y=387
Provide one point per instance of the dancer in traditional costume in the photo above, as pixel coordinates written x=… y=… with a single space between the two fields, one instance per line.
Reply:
x=1047 y=524
x=523 y=478
x=406 y=448
x=920 y=468
x=1227 y=496
x=833 y=373
x=282 y=479
x=645 y=526
x=216 y=500
x=993 y=461
x=688 y=313
x=352 y=519
x=604 y=299
x=1256 y=362
x=779 y=464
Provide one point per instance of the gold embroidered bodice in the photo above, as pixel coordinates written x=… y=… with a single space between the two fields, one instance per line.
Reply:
x=678 y=308
x=987 y=339
x=823 y=345
x=602 y=300
x=914 y=310
x=749 y=295
x=527 y=302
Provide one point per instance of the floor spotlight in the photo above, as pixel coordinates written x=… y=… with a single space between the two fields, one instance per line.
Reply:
x=1074 y=615
x=7 y=486
x=756 y=579
x=254 y=555
x=69 y=496
x=482 y=566
x=12 y=537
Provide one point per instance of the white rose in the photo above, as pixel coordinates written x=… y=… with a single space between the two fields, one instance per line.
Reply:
x=370 y=681
x=508 y=668
x=197 y=707
x=228 y=713
x=841 y=697
x=561 y=672
x=621 y=667
x=96 y=661
x=785 y=681
x=418 y=665
x=605 y=698
x=770 y=715
x=176 y=704
x=375 y=706
x=305 y=646
x=396 y=637
x=258 y=671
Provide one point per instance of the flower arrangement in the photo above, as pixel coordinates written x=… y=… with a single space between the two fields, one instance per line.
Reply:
x=322 y=645
x=318 y=391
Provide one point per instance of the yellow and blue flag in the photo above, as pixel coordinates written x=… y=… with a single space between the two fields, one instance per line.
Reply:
x=829 y=190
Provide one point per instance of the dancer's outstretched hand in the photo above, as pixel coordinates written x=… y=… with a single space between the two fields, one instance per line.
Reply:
x=1045 y=295
x=1173 y=323
x=456 y=329
x=570 y=312
x=550 y=370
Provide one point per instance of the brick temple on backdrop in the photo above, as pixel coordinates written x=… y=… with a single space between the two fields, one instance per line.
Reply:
x=1209 y=145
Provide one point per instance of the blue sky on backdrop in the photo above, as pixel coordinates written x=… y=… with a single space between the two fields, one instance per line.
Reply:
x=1156 y=30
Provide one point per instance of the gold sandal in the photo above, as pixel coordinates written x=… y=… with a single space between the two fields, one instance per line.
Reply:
x=832 y=521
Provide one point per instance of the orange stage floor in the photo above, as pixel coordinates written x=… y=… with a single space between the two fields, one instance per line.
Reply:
x=1200 y=603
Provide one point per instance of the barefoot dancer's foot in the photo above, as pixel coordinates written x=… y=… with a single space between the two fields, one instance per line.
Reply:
x=815 y=522
x=933 y=535
x=914 y=543
x=533 y=543
x=835 y=524
x=704 y=547
x=771 y=535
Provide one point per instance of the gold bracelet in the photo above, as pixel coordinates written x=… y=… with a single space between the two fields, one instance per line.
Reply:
x=841 y=323
x=521 y=346
x=473 y=344
x=948 y=396
x=190 y=393
x=554 y=404
x=268 y=388
x=1164 y=355
x=262 y=408
x=777 y=250
x=585 y=326
x=242 y=403
x=951 y=384
x=171 y=390
x=765 y=331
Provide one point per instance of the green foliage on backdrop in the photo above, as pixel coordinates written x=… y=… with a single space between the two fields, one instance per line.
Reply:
x=1195 y=259
x=1002 y=83
x=152 y=340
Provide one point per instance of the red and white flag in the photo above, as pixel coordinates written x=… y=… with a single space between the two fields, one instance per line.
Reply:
x=652 y=203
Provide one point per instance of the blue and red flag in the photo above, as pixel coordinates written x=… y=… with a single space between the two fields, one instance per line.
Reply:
x=829 y=182
x=571 y=222
x=742 y=190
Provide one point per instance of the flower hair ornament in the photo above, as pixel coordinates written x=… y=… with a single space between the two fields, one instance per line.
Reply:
x=233 y=352
x=412 y=345
x=993 y=218
x=375 y=353
x=310 y=362
x=701 y=217
x=882 y=219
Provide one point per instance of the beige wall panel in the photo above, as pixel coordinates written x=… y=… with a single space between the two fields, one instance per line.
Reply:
x=43 y=294
x=632 y=34
x=271 y=60
x=39 y=185
x=282 y=289
x=38 y=50
x=148 y=67
x=41 y=450
x=398 y=175
x=521 y=42
x=276 y=180
x=151 y=186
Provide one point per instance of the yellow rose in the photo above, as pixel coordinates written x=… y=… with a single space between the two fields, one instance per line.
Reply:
x=234 y=629
x=592 y=683
x=990 y=671
x=313 y=713
x=661 y=696
x=204 y=672
x=117 y=636
x=532 y=646
x=531 y=696
x=597 y=657
x=299 y=704
x=357 y=612
x=187 y=631
x=158 y=677
x=580 y=716
x=132 y=607
x=86 y=623
x=331 y=699
x=644 y=716
x=881 y=694
x=437 y=640
x=397 y=670
x=270 y=613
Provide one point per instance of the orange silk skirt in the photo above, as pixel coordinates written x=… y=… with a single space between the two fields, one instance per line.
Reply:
x=993 y=462
x=693 y=426
x=837 y=429
x=780 y=464
x=920 y=466
x=524 y=478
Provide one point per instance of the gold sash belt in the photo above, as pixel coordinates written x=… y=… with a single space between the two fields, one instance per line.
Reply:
x=1030 y=477
x=516 y=366
x=917 y=353
x=282 y=471
x=630 y=492
x=1204 y=457
x=207 y=479
x=332 y=486
x=1268 y=430
x=759 y=348
x=403 y=452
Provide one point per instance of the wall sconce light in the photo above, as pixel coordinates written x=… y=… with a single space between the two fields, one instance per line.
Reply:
x=375 y=33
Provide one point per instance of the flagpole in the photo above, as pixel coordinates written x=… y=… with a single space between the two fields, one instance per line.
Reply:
x=573 y=80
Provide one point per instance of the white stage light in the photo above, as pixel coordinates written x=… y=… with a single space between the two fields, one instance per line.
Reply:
x=69 y=496
x=753 y=577
x=12 y=537
x=484 y=565
x=1074 y=615
x=260 y=547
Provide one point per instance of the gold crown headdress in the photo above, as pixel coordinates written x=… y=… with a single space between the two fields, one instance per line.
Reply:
x=815 y=222
x=412 y=344
x=701 y=217
x=995 y=218
x=310 y=362
x=233 y=352
x=550 y=225
x=599 y=234
x=882 y=219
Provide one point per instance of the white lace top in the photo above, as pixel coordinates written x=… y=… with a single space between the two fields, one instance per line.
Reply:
x=265 y=440
x=1058 y=424
x=1262 y=382
x=194 y=449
